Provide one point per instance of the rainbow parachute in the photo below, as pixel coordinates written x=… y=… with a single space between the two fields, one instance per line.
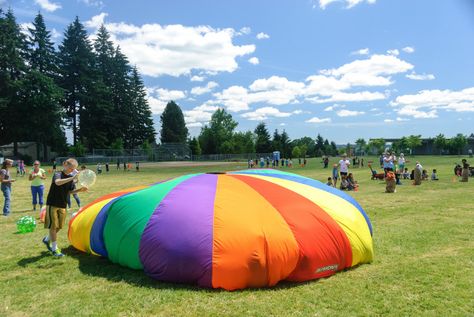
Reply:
x=250 y=228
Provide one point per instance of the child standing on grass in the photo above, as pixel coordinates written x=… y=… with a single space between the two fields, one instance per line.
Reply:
x=55 y=218
x=335 y=174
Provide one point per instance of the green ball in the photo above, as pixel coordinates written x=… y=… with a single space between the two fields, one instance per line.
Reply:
x=26 y=224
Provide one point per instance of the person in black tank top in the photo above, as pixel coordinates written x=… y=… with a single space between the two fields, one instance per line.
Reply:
x=55 y=218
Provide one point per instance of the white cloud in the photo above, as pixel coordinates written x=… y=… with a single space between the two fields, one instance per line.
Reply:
x=245 y=30
x=47 y=5
x=393 y=52
x=362 y=51
x=55 y=34
x=176 y=49
x=370 y=72
x=198 y=78
x=415 y=76
x=334 y=107
x=318 y=120
x=402 y=119
x=408 y=49
x=262 y=36
x=159 y=97
x=96 y=21
x=330 y=85
x=274 y=91
x=376 y=65
x=197 y=117
x=349 y=3
x=349 y=113
x=25 y=26
x=459 y=101
x=254 y=61
x=264 y=113
x=204 y=90
x=417 y=114
x=388 y=120
x=433 y=100
x=349 y=97
x=93 y=3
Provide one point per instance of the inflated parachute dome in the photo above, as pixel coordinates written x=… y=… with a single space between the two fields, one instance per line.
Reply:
x=250 y=228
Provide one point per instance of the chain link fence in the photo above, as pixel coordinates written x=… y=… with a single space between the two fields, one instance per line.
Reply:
x=164 y=152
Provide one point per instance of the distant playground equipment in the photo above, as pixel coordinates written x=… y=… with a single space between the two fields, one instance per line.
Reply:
x=375 y=175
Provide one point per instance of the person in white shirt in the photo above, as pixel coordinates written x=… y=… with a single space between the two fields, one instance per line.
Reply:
x=344 y=166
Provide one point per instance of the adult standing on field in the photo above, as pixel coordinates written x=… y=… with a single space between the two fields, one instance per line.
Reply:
x=344 y=166
x=37 y=177
x=6 y=185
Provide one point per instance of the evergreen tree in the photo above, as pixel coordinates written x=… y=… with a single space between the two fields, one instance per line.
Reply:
x=194 y=146
x=42 y=98
x=76 y=64
x=285 y=144
x=276 y=142
x=319 y=145
x=327 y=147
x=42 y=55
x=333 y=148
x=262 y=143
x=113 y=128
x=173 y=127
x=41 y=95
x=123 y=108
x=141 y=127
x=12 y=70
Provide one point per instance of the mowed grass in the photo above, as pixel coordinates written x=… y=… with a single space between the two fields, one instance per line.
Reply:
x=423 y=265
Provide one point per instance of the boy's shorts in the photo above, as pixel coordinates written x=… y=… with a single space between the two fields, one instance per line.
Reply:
x=55 y=217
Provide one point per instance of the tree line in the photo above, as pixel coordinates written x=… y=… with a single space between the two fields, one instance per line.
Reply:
x=441 y=144
x=87 y=86
x=220 y=136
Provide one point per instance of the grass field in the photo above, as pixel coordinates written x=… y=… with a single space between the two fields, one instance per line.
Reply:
x=424 y=259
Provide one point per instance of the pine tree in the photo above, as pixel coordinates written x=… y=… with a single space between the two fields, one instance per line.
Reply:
x=12 y=70
x=141 y=128
x=40 y=92
x=285 y=144
x=112 y=126
x=173 y=127
x=76 y=64
x=123 y=107
x=42 y=55
x=262 y=144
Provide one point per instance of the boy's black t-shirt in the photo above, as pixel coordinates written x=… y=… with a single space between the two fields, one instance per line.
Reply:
x=57 y=195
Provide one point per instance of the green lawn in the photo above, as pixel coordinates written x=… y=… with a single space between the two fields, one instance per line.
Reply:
x=424 y=259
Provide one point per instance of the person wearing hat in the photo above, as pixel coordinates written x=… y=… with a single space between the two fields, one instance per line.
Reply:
x=6 y=185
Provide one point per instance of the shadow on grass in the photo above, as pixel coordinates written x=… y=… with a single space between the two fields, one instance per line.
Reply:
x=34 y=259
x=102 y=267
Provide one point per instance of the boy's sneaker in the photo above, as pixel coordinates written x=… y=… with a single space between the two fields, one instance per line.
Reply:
x=57 y=253
x=47 y=244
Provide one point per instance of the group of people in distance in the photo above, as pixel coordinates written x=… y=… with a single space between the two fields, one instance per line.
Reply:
x=262 y=162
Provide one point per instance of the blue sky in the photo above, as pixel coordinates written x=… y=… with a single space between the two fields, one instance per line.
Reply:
x=346 y=69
